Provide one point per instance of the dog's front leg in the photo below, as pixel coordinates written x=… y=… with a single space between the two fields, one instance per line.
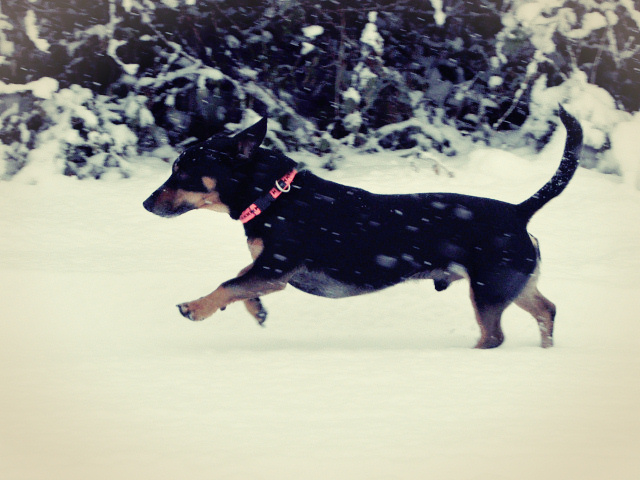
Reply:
x=206 y=306
x=248 y=287
x=254 y=305
x=256 y=310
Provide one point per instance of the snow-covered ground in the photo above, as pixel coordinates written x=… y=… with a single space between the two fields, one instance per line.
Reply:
x=101 y=378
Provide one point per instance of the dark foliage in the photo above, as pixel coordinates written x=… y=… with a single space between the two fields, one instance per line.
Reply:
x=472 y=68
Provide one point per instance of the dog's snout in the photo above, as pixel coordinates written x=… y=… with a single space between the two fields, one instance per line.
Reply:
x=151 y=203
x=162 y=202
x=148 y=204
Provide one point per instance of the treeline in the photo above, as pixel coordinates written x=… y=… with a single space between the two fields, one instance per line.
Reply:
x=326 y=72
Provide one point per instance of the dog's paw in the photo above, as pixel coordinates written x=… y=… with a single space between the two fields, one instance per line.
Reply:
x=195 y=311
x=261 y=317
x=257 y=311
x=186 y=312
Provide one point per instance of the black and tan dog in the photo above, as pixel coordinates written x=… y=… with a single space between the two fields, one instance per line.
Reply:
x=337 y=241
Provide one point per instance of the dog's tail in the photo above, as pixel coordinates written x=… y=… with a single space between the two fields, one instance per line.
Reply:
x=563 y=175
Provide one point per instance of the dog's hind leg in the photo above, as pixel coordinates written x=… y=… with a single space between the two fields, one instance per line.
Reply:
x=488 y=317
x=542 y=309
x=488 y=314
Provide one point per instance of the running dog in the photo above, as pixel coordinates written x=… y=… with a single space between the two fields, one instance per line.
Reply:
x=338 y=241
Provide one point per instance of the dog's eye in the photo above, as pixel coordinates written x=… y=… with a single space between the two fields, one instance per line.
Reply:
x=188 y=182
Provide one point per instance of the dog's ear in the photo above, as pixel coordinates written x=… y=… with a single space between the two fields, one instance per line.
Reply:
x=248 y=141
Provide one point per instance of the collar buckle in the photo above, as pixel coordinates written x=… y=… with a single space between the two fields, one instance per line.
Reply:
x=283 y=186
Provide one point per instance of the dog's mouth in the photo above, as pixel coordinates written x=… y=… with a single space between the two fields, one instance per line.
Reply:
x=165 y=208
x=168 y=212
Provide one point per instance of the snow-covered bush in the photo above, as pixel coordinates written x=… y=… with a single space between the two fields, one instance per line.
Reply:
x=600 y=38
x=371 y=75
x=91 y=132
x=611 y=141
x=377 y=95
x=22 y=118
x=73 y=130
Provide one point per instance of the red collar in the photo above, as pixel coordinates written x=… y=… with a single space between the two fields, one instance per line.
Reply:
x=283 y=185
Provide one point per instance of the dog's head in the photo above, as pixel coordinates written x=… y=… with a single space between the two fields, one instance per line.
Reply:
x=209 y=175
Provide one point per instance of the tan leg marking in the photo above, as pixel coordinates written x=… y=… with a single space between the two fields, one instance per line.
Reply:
x=248 y=291
x=542 y=309
x=256 y=246
x=256 y=310
x=222 y=296
x=206 y=306
x=254 y=305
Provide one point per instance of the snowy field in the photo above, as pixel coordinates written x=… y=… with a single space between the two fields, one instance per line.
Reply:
x=103 y=379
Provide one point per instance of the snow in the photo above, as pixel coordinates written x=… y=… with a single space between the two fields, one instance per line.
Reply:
x=625 y=150
x=102 y=378
x=249 y=73
x=364 y=76
x=439 y=16
x=44 y=87
x=232 y=41
x=129 y=68
x=353 y=121
x=312 y=31
x=591 y=21
x=370 y=35
x=209 y=73
x=495 y=81
x=352 y=94
x=633 y=13
x=307 y=48
x=603 y=125
x=7 y=48
x=31 y=29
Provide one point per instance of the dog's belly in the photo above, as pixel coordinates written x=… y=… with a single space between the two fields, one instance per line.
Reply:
x=323 y=285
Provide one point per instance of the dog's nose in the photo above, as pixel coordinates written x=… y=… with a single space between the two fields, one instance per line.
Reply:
x=149 y=203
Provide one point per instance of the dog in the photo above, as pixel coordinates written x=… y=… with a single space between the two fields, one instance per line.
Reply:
x=336 y=241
